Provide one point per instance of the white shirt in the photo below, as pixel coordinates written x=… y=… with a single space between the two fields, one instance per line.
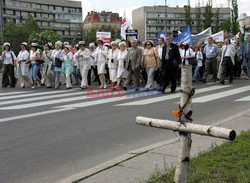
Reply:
x=101 y=54
x=229 y=51
x=160 y=48
x=112 y=55
x=187 y=53
x=92 y=57
x=7 y=58
x=121 y=57
x=23 y=55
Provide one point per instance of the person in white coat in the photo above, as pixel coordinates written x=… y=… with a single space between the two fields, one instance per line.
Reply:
x=83 y=59
x=121 y=58
x=57 y=61
x=23 y=65
x=227 y=62
x=101 y=60
x=112 y=63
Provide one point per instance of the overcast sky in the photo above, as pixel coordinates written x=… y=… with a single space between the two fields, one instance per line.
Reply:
x=128 y=5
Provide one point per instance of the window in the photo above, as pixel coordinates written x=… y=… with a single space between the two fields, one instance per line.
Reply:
x=39 y=23
x=51 y=8
x=38 y=6
x=45 y=24
x=45 y=16
x=58 y=9
x=108 y=18
x=9 y=2
x=25 y=5
x=66 y=10
x=25 y=14
x=17 y=13
x=51 y=16
x=72 y=10
x=9 y=12
x=102 y=18
x=38 y=15
x=44 y=7
x=59 y=33
x=66 y=33
x=18 y=21
x=73 y=33
x=32 y=14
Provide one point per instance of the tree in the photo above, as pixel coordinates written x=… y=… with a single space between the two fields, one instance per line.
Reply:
x=187 y=14
x=226 y=25
x=217 y=21
x=208 y=14
x=46 y=36
x=90 y=37
x=16 y=34
x=198 y=14
x=235 y=14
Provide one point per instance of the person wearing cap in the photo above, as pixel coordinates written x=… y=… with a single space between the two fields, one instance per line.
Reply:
x=23 y=66
x=57 y=59
x=67 y=68
x=133 y=65
x=211 y=51
x=100 y=60
x=9 y=58
x=150 y=61
x=121 y=59
x=83 y=59
x=34 y=56
x=47 y=77
x=92 y=48
x=76 y=70
x=112 y=63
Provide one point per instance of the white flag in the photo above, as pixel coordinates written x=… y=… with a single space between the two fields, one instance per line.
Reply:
x=126 y=25
x=219 y=36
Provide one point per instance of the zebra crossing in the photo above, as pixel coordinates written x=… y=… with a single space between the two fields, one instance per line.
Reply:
x=64 y=100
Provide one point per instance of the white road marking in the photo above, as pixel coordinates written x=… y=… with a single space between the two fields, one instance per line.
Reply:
x=34 y=114
x=36 y=94
x=245 y=99
x=13 y=93
x=169 y=97
x=219 y=95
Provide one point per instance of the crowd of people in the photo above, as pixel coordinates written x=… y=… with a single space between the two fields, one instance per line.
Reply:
x=124 y=64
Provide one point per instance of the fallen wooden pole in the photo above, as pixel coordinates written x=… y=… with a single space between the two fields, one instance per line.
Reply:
x=188 y=128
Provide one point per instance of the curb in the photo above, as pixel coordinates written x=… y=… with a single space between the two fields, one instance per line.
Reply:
x=132 y=154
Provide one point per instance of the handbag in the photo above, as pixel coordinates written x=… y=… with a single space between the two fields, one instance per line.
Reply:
x=39 y=62
x=58 y=61
x=192 y=61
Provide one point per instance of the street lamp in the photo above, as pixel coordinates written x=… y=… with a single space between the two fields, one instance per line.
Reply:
x=1 y=21
x=166 y=16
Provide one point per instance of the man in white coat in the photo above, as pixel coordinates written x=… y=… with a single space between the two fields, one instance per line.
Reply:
x=227 y=62
x=83 y=60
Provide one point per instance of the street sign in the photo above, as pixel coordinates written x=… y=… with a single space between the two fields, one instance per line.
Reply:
x=131 y=34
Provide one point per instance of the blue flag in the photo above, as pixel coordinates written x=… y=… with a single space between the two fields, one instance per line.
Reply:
x=184 y=37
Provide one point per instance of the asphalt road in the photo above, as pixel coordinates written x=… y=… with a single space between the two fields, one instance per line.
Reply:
x=62 y=139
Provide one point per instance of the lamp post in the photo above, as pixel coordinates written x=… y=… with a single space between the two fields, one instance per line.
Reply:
x=1 y=21
x=166 y=16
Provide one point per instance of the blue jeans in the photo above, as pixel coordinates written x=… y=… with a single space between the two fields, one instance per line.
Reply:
x=197 y=73
x=34 y=71
x=246 y=66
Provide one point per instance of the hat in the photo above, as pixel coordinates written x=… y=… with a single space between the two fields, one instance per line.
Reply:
x=77 y=45
x=6 y=44
x=100 y=40
x=122 y=43
x=33 y=44
x=25 y=44
x=50 y=45
x=67 y=46
x=66 y=43
x=59 y=43
x=92 y=45
x=81 y=43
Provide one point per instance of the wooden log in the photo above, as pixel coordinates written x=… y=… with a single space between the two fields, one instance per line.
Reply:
x=205 y=130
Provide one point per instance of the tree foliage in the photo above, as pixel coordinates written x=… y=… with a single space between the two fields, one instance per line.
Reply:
x=198 y=14
x=188 y=14
x=235 y=15
x=46 y=36
x=16 y=34
x=208 y=14
x=90 y=36
x=217 y=20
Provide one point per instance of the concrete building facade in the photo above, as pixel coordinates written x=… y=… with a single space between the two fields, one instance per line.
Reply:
x=102 y=22
x=62 y=16
x=150 y=20
x=244 y=21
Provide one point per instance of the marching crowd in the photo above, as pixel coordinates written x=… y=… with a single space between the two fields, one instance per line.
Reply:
x=123 y=64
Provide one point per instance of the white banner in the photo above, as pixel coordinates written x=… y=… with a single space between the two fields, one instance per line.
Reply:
x=218 y=37
x=204 y=35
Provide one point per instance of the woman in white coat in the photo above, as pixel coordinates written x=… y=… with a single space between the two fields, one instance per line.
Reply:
x=101 y=60
x=121 y=58
x=83 y=60
x=112 y=63
x=23 y=65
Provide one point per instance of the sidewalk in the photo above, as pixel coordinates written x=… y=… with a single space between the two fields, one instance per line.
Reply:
x=138 y=165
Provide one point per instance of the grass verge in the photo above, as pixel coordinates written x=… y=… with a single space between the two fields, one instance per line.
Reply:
x=227 y=163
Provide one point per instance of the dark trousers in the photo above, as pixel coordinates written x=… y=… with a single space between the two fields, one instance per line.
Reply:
x=77 y=75
x=94 y=68
x=89 y=77
x=237 y=68
x=227 y=68
x=8 y=71
x=168 y=75
x=211 y=65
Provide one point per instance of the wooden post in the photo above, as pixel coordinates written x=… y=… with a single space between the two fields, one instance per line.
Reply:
x=185 y=126
x=181 y=170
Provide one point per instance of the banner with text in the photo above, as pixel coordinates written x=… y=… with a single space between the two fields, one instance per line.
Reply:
x=184 y=37
x=204 y=35
x=105 y=36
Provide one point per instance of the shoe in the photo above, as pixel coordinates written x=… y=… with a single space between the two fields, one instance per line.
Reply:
x=33 y=87
x=69 y=88
x=230 y=82
x=22 y=86
x=83 y=87
x=222 y=82
x=42 y=84
x=203 y=80
x=172 y=91
x=4 y=86
x=49 y=86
